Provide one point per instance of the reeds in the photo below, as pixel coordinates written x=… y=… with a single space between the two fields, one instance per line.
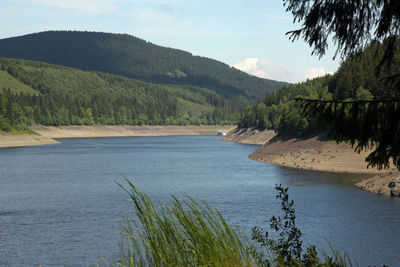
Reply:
x=180 y=234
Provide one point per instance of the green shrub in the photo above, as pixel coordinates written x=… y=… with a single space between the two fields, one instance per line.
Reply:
x=286 y=250
x=4 y=125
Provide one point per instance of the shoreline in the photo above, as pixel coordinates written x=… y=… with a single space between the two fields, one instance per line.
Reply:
x=313 y=153
x=83 y=131
x=317 y=153
x=249 y=136
x=21 y=140
x=44 y=135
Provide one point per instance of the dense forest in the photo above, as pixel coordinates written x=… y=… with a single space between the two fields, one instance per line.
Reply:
x=132 y=57
x=41 y=93
x=354 y=80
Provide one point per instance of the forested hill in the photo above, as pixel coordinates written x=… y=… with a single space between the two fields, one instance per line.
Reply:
x=42 y=93
x=132 y=57
x=355 y=79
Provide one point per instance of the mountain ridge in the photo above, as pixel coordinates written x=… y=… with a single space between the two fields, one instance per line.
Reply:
x=132 y=57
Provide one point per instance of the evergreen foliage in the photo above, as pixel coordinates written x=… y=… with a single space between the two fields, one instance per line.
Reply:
x=65 y=96
x=357 y=115
x=362 y=70
x=371 y=121
x=353 y=25
x=132 y=57
x=365 y=124
x=281 y=113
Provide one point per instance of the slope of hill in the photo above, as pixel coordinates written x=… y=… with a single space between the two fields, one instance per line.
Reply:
x=14 y=85
x=36 y=92
x=356 y=79
x=360 y=71
x=300 y=142
x=132 y=57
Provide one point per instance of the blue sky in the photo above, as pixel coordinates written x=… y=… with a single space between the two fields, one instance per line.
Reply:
x=247 y=34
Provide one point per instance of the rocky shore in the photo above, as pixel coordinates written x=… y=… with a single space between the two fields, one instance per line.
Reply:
x=387 y=184
x=249 y=136
x=319 y=154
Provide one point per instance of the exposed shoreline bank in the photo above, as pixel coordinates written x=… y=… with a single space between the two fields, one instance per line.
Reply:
x=319 y=154
x=47 y=134
x=249 y=136
x=18 y=140
x=125 y=130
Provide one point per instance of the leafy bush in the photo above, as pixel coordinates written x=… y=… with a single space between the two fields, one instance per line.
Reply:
x=4 y=125
x=286 y=250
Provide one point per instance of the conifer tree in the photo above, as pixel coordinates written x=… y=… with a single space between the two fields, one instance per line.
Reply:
x=353 y=25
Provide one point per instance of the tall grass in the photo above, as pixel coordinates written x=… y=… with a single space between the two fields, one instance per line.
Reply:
x=180 y=234
x=190 y=233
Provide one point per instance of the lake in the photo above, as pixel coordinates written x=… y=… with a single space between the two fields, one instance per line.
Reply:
x=60 y=204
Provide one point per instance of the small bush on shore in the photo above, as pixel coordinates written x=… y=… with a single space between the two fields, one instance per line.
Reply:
x=286 y=250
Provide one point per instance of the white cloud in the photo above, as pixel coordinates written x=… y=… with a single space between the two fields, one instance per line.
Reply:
x=247 y=65
x=85 y=6
x=264 y=69
x=311 y=73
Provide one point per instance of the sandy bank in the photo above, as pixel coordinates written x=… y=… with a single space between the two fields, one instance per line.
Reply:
x=319 y=154
x=115 y=131
x=248 y=136
x=16 y=140
x=45 y=134
x=313 y=153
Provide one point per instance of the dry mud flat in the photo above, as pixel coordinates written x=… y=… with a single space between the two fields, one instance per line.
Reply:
x=319 y=154
x=45 y=134
x=17 y=140
x=116 y=131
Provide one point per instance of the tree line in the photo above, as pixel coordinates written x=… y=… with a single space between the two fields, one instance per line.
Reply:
x=356 y=80
x=66 y=96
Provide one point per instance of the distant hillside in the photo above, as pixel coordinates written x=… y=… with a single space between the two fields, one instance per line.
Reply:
x=132 y=57
x=355 y=79
x=279 y=111
x=42 y=93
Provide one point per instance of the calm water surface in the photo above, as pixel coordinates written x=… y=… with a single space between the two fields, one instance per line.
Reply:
x=59 y=204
